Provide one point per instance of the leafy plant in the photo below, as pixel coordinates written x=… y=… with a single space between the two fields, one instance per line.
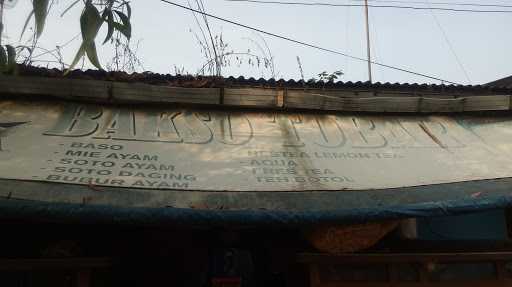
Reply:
x=323 y=76
x=116 y=14
x=329 y=77
x=218 y=53
x=7 y=59
x=113 y=14
x=125 y=56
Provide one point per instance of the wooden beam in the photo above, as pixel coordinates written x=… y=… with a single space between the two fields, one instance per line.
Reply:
x=404 y=258
x=54 y=264
x=350 y=99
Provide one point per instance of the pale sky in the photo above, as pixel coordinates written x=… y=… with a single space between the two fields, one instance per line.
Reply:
x=408 y=39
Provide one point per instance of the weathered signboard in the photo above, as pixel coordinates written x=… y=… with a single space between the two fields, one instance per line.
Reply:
x=213 y=150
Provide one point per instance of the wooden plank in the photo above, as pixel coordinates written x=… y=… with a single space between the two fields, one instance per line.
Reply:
x=501 y=269
x=488 y=103
x=84 y=278
x=90 y=89
x=314 y=276
x=250 y=101
x=372 y=104
x=429 y=105
x=392 y=280
x=401 y=95
x=54 y=264
x=35 y=86
x=331 y=92
x=486 y=283
x=365 y=94
x=404 y=257
x=303 y=100
x=55 y=87
x=316 y=99
x=475 y=103
x=251 y=97
x=144 y=93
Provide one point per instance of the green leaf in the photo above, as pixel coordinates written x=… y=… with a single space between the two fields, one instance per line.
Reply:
x=90 y=50
x=120 y=27
x=129 y=10
x=21 y=48
x=126 y=27
x=90 y=23
x=69 y=7
x=3 y=59
x=11 y=59
x=26 y=23
x=109 y=18
x=78 y=56
x=40 y=8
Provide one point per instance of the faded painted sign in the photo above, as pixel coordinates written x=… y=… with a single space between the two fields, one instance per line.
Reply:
x=186 y=149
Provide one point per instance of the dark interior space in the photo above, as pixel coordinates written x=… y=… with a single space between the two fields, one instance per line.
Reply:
x=34 y=254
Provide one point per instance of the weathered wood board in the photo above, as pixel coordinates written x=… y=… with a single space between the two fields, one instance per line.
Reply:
x=214 y=150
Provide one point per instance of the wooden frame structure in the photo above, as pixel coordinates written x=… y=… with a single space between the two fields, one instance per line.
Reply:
x=281 y=98
x=425 y=263
x=81 y=267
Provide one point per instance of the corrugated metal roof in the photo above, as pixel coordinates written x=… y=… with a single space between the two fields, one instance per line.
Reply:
x=505 y=83
x=210 y=82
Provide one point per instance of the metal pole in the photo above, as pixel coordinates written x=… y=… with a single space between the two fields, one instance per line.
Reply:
x=1 y=19
x=368 y=42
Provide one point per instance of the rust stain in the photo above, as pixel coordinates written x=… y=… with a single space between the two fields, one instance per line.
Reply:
x=204 y=206
x=476 y=194
x=199 y=206
x=94 y=187
x=304 y=164
x=432 y=136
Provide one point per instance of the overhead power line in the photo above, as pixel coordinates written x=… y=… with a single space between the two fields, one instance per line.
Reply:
x=308 y=44
x=449 y=43
x=372 y=6
x=439 y=3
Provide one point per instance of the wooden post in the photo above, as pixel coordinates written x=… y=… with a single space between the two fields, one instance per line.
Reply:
x=83 y=278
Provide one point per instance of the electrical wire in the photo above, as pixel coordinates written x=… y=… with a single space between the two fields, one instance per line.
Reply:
x=449 y=43
x=307 y=44
x=439 y=3
x=347 y=39
x=372 y=6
